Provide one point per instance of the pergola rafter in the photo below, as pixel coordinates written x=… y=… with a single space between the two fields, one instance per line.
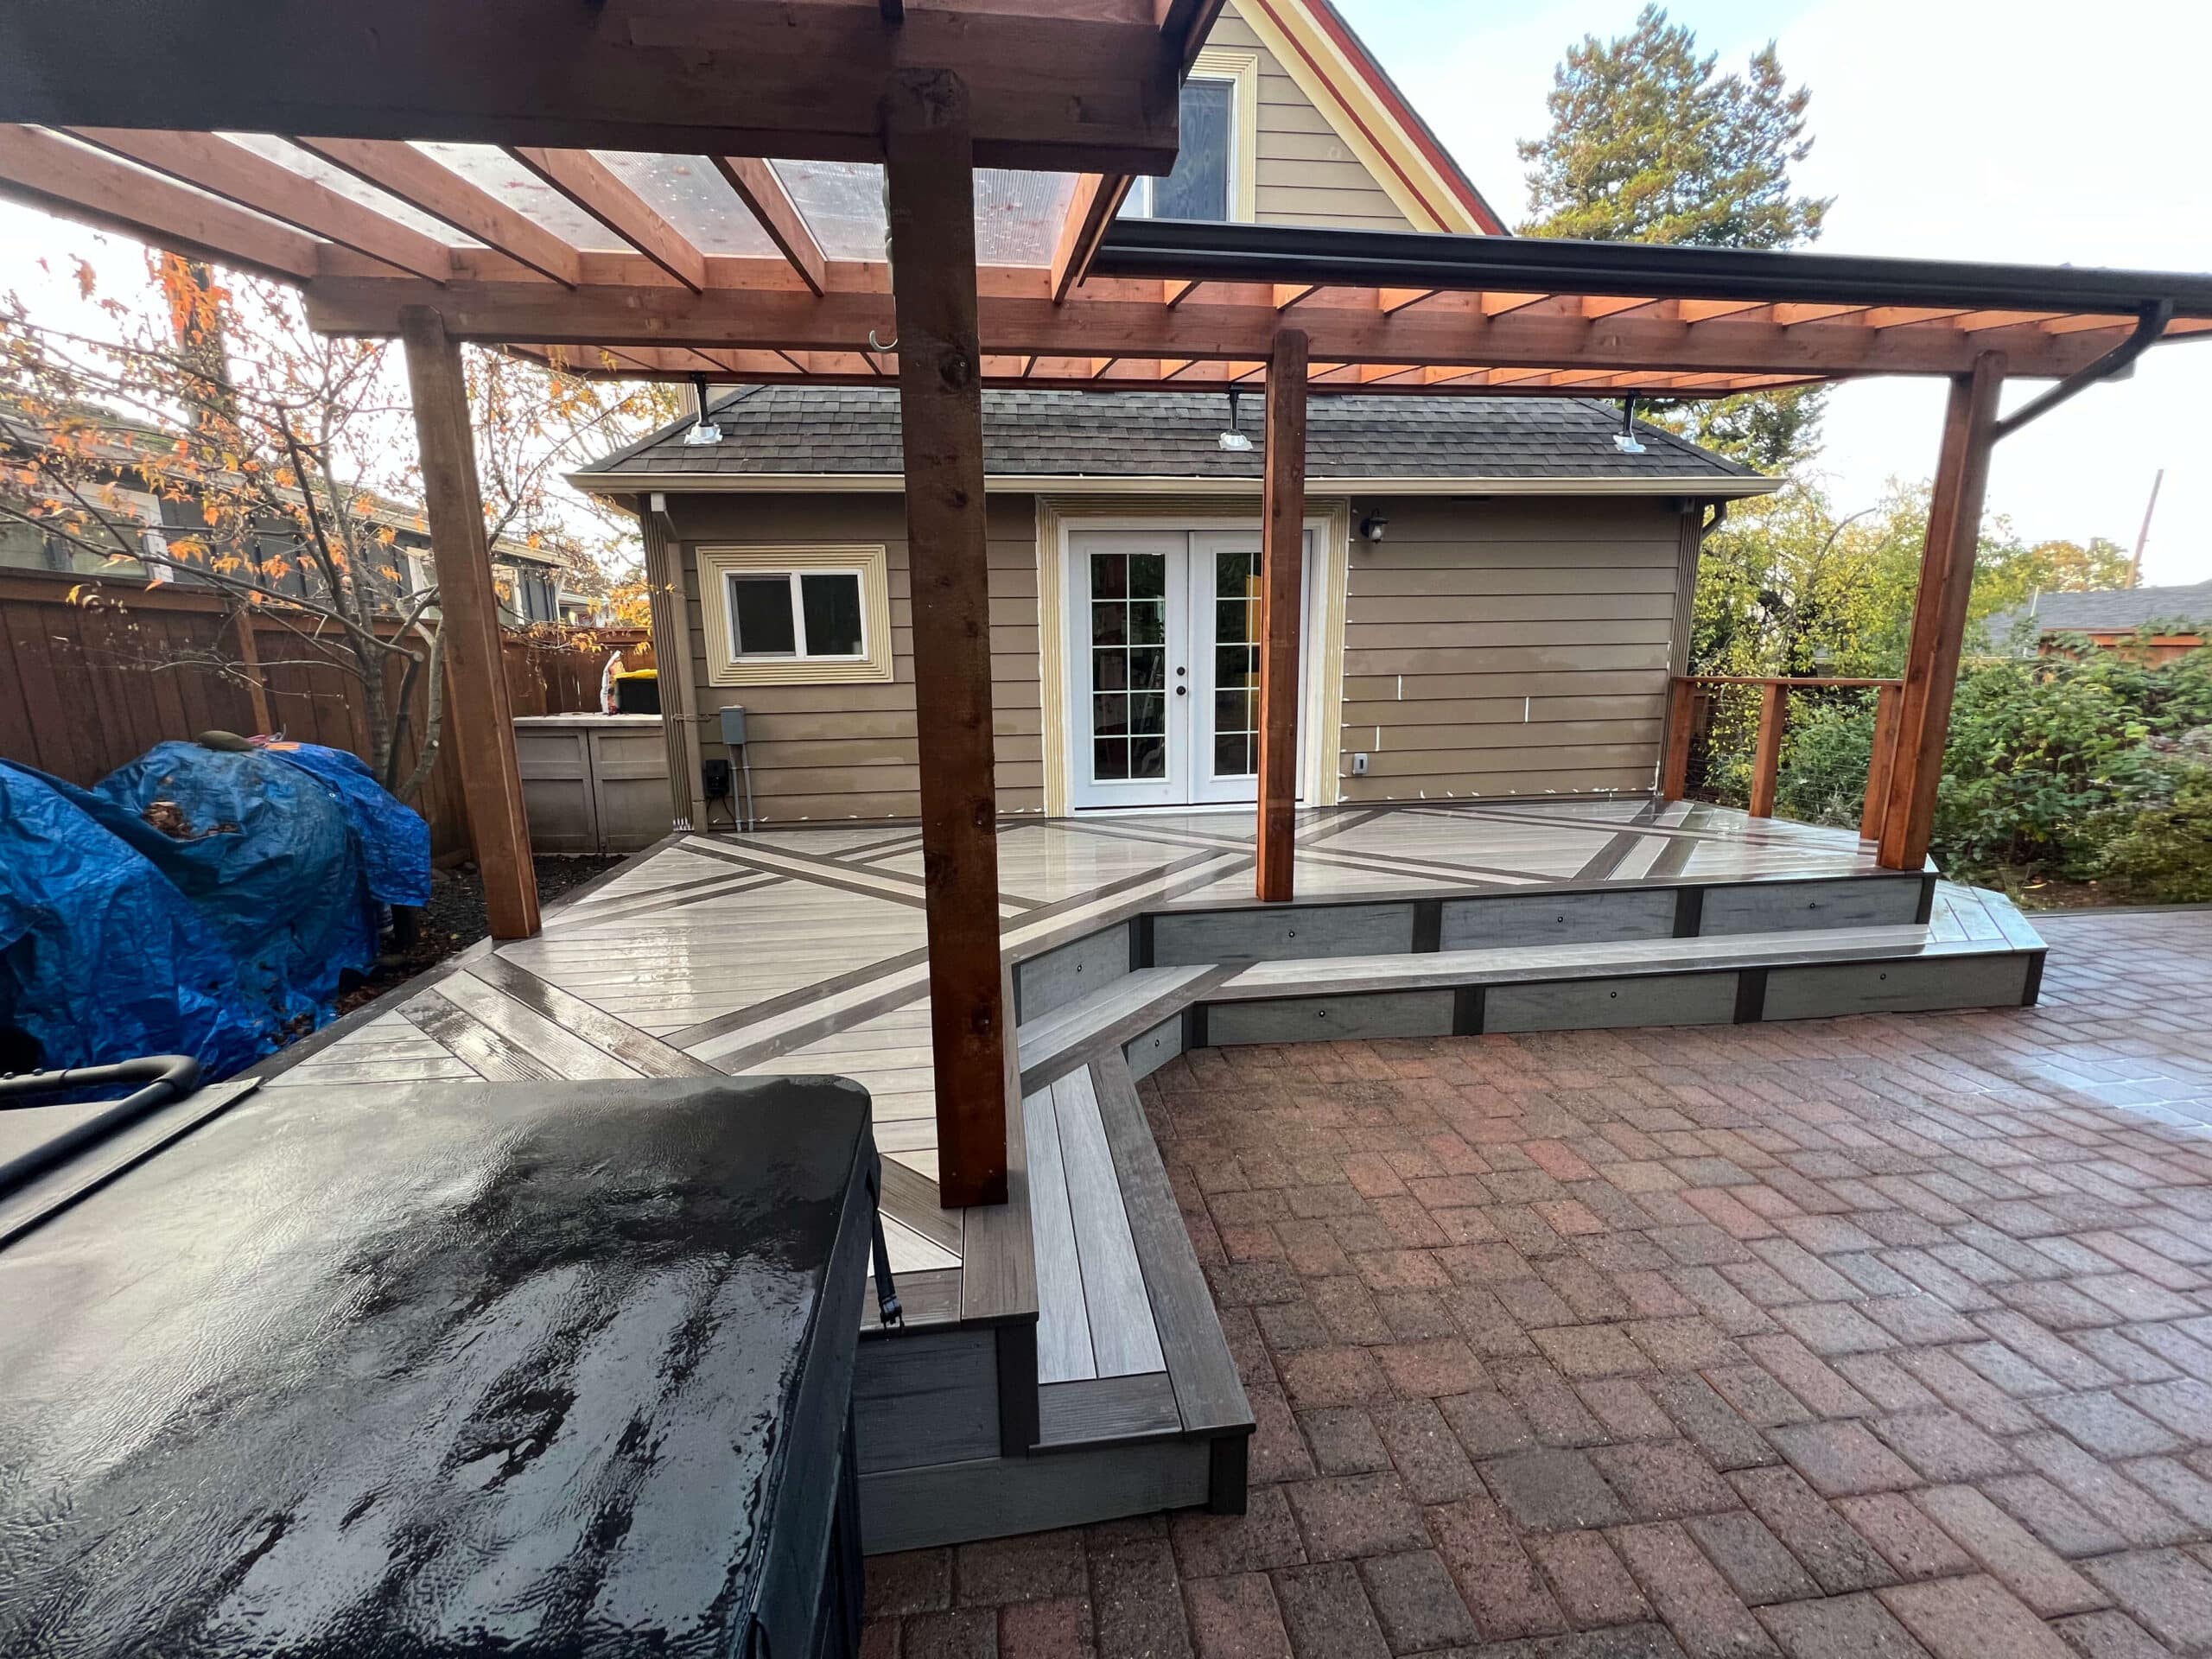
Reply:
x=1469 y=327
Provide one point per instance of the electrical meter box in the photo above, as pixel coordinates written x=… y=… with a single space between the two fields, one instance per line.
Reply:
x=733 y=728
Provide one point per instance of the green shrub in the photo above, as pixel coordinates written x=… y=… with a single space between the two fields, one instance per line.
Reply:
x=2160 y=852
x=2050 y=757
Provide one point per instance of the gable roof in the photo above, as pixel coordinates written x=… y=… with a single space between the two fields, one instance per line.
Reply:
x=1348 y=85
x=2108 y=610
x=847 y=438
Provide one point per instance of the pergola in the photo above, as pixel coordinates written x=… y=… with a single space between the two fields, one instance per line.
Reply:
x=924 y=195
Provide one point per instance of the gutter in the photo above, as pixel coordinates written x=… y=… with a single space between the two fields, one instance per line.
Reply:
x=1177 y=250
x=1708 y=487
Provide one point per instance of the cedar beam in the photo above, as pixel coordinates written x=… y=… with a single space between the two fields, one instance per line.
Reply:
x=238 y=174
x=94 y=188
x=1097 y=198
x=929 y=168
x=1282 y=557
x=1766 y=762
x=430 y=187
x=1215 y=322
x=1939 y=617
x=1056 y=86
x=760 y=188
x=599 y=190
x=476 y=682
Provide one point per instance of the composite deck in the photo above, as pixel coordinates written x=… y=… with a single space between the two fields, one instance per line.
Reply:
x=801 y=951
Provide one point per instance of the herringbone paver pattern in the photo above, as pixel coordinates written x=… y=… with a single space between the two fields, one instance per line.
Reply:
x=1857 y=1337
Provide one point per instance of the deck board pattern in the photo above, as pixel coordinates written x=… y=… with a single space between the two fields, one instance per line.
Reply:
x=798 y=951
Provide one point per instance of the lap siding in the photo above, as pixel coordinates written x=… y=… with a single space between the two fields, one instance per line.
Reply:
x=851 y=751
x=1511 y=645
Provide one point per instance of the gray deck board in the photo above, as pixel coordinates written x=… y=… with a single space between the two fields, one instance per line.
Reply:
x=1064 y=1350
x=1208 y=1393
x=1123 y=1336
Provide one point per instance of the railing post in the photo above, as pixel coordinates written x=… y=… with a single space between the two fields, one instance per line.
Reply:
x=1877 y=772
x=1682 y=711
x=1774 y=713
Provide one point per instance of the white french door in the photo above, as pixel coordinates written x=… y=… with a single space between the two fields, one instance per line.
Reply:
x=1163 y=665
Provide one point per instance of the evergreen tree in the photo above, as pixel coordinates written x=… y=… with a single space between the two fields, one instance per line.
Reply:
x=1649 y=142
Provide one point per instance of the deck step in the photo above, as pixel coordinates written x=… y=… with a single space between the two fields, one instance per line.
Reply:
x=1974 y=950
x=1156 y=1418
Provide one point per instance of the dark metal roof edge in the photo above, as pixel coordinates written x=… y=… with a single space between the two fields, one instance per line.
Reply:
x=1183 y=250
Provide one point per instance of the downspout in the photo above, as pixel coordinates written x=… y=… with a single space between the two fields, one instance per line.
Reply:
x=2150 y=323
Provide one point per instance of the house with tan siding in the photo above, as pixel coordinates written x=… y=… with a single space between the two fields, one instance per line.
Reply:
x=1496 y=589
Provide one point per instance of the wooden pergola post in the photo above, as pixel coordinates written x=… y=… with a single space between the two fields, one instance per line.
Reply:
x=929 y=164
x=477 y=717
x=1283 y=561
x=1939 y=617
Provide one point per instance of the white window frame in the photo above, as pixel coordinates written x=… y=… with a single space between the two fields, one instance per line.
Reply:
x=726 y=665
x=792 y=580
x=1241 y=70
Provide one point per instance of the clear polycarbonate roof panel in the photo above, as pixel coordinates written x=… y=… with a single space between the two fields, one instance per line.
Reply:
x=1017 y=215
x=499 y=174
x=307 y=165
x=692 y=195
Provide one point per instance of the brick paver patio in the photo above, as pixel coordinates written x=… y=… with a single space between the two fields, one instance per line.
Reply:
x=1878 y=1337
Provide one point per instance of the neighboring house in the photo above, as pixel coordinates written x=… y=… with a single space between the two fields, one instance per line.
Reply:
x=526 y=580
x=2165 y=621
x=1496 y=589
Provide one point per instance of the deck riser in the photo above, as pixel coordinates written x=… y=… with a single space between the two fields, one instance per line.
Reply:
x=1078 y=968
x=1725 y=997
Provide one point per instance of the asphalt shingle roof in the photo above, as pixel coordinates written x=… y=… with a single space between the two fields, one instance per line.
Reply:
x=777 y=430
x=2110 y=610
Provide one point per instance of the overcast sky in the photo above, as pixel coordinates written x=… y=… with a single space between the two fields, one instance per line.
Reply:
x=1952 y=128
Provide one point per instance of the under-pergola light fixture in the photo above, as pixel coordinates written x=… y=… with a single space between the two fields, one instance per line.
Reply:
x=1233 y=437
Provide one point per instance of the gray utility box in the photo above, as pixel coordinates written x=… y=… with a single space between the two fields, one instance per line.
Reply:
x=594 y=783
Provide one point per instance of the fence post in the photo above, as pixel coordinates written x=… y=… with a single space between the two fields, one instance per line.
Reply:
x=1774 y=713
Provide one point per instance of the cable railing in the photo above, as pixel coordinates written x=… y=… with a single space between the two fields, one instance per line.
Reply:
x=1690 y=711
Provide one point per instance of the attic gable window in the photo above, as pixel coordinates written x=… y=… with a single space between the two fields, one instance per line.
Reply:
x=1204 y=184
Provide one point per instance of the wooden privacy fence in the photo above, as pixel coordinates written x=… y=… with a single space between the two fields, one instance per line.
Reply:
x=90 y=682
x=1690 y=711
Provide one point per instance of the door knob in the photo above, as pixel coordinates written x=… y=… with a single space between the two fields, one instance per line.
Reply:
x=1182 y=691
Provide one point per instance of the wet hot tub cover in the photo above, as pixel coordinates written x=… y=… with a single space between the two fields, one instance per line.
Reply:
x=448 y=1368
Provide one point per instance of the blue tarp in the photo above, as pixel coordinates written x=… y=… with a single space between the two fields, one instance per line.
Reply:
x=394 y=840
x=101 y=958
x=268 y=885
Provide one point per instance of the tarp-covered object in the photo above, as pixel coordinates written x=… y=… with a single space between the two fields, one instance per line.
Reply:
x=394 y=840
x=101 y=956
x=284 y=857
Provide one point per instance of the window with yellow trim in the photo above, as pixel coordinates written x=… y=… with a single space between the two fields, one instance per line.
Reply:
x=795 y=615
